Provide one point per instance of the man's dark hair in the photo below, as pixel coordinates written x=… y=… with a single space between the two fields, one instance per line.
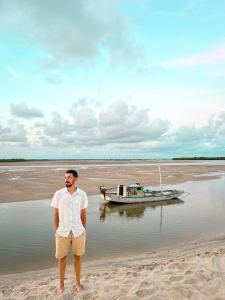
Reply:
x=74 y=172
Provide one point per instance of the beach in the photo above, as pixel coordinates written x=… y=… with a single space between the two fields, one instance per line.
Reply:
x=40 y=179
x=191 y=271
x=188 y=270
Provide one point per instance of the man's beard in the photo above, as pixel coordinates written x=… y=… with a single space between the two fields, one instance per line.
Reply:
x=68 y=184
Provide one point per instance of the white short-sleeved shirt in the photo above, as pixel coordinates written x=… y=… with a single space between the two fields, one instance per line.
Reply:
x=70 y=206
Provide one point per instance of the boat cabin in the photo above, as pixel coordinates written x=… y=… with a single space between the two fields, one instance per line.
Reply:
x=131 y=190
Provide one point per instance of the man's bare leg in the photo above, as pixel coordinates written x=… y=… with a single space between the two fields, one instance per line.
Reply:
x=62 y=269
x=77 y=268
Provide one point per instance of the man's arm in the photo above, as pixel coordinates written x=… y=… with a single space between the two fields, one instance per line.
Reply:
x=56 y=218
x=83 y=217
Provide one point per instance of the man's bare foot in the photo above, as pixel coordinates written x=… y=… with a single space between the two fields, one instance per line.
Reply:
x=60 y=290
x=79 y=287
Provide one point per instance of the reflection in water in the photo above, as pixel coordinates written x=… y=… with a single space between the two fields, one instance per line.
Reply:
x=133 y=210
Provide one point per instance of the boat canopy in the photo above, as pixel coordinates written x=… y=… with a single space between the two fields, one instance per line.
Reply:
x=131 y=190
x=134 y=185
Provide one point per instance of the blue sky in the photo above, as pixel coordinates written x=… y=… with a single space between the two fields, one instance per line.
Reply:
x=112 y=79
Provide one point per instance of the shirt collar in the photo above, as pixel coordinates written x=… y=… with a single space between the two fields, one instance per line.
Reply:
x=76 y=192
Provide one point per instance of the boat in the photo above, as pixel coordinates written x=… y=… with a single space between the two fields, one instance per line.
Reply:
x=136 y=193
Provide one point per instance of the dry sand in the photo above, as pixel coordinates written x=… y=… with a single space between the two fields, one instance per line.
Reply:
x=192 y=271
x=39 y=180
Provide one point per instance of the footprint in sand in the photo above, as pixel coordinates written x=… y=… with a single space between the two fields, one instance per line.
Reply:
x=7 y=291
x=132 y=274
x=144 y=293
x=187 y=281
x=144 y=284
x=42 y=283
x=140 y=268
x=198 y=282
x=22 y=289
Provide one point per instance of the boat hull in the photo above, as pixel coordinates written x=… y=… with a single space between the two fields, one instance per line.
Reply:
x=149 y=197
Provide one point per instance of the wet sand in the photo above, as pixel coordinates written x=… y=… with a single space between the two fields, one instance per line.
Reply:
x=191 y=271
x=23 y=181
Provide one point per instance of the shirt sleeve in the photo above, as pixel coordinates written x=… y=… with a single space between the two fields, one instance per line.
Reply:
x=85 y=201
x=54 y=202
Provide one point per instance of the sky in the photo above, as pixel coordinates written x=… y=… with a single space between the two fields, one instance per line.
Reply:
x=112 y=79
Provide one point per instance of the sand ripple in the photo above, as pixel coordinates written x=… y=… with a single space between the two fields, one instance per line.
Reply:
x=169 y=275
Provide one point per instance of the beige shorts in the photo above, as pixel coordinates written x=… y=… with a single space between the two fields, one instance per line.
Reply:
x=63 y=245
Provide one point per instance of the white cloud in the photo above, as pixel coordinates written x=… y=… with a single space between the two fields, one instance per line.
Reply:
x=114 y=114
x=118 y=129
x=209 y=57
x=22 y=110
x=83 y=117
x=68 y=29
x=34 y=138
x=118 y=124
x=14 y=132
x=56 y=127
x=203 y=139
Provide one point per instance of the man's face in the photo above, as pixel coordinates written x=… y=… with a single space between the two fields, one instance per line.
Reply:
x=70 y=179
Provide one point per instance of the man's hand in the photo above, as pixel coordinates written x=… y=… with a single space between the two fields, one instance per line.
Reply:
x=83 y=217
x=56 y=218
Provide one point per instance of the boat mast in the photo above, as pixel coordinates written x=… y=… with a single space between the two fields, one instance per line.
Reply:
x=160 y=178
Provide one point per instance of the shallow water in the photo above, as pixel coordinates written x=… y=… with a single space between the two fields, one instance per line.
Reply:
x=27 y=238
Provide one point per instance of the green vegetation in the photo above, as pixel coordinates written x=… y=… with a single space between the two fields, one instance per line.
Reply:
x=20 y=160
x=122 y=159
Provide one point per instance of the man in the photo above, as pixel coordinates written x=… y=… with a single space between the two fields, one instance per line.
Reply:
x=70 y=205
